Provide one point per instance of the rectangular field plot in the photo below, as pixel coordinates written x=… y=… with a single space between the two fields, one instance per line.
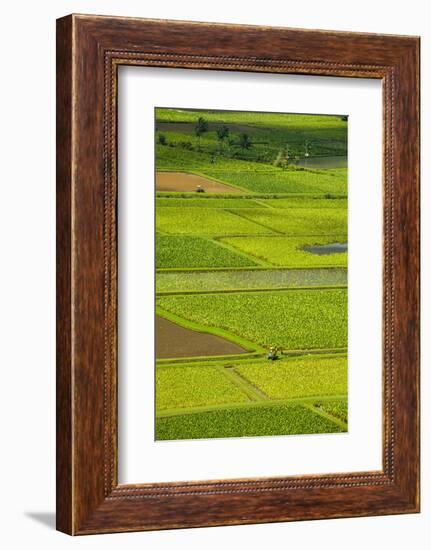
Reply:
x=293 y=319
x=188 y=252
x=297 y=377
x=276 y=180
x=304 y=202
x=204 y=221
x=200 y=281
x=178 y=159
x=203 y=202
x=289 y=251
x=246 y=421
x=186 y=386
x=299 y=221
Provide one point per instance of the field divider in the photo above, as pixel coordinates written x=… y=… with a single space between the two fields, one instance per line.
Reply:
x=257 y=201
x=245 y=290
x=324 y=414
x=166 y=413
x=230 y=210
x=190 y=361
x=241 y=382
x=251 y=356
x=248 y=257
x=258 y=291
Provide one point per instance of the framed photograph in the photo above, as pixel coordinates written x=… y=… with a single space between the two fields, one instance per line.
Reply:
x=237 y=274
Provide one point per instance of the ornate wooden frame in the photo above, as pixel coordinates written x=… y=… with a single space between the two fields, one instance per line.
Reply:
x=89 y=51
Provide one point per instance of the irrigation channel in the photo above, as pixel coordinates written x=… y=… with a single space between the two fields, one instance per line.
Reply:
x=327 y=249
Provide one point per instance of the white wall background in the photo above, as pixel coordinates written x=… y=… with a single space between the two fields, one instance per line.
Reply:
x=27 y=308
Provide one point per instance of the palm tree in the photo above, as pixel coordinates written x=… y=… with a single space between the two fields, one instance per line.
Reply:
x=200 y=128
x=222 y=134
x=245 y=141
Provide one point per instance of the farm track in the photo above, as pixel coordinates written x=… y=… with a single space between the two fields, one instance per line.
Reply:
x=253 y=259
x=167 y=363
x=248 y=290
x=252 y=391
x=271 y=229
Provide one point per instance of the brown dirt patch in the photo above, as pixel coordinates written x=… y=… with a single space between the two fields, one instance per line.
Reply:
x=183 y=183
x=172 y=340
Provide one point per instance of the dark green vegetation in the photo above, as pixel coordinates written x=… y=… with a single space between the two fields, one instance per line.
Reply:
x=268 y=132
x=232 y=262
x=274 y=420
x=181 y=251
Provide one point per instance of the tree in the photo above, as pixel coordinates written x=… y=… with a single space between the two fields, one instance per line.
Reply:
x=244 y=141
x=200 y=128
x=222 y=134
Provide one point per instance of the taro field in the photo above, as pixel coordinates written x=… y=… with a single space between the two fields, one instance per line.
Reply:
x=251 y=274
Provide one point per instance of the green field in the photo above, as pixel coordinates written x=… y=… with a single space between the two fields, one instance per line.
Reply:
x=293 y=319
x=205 y=221
x=334 y=408
x=234 y=268
x=246 y=422
x=298 y=376
x=297 y=221
x=192 y=386
x=185 y=252
x=289 y=251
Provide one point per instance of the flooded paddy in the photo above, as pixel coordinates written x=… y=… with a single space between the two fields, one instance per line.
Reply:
x=182 y=182
x=322 y=163
x=173 y=340
x=219 y=281
x=326 y=249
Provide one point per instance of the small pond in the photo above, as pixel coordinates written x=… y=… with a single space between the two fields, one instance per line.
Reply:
x=326 y=249
x=321 y=163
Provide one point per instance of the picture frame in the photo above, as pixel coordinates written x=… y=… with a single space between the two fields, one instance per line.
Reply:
x=89 y=51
